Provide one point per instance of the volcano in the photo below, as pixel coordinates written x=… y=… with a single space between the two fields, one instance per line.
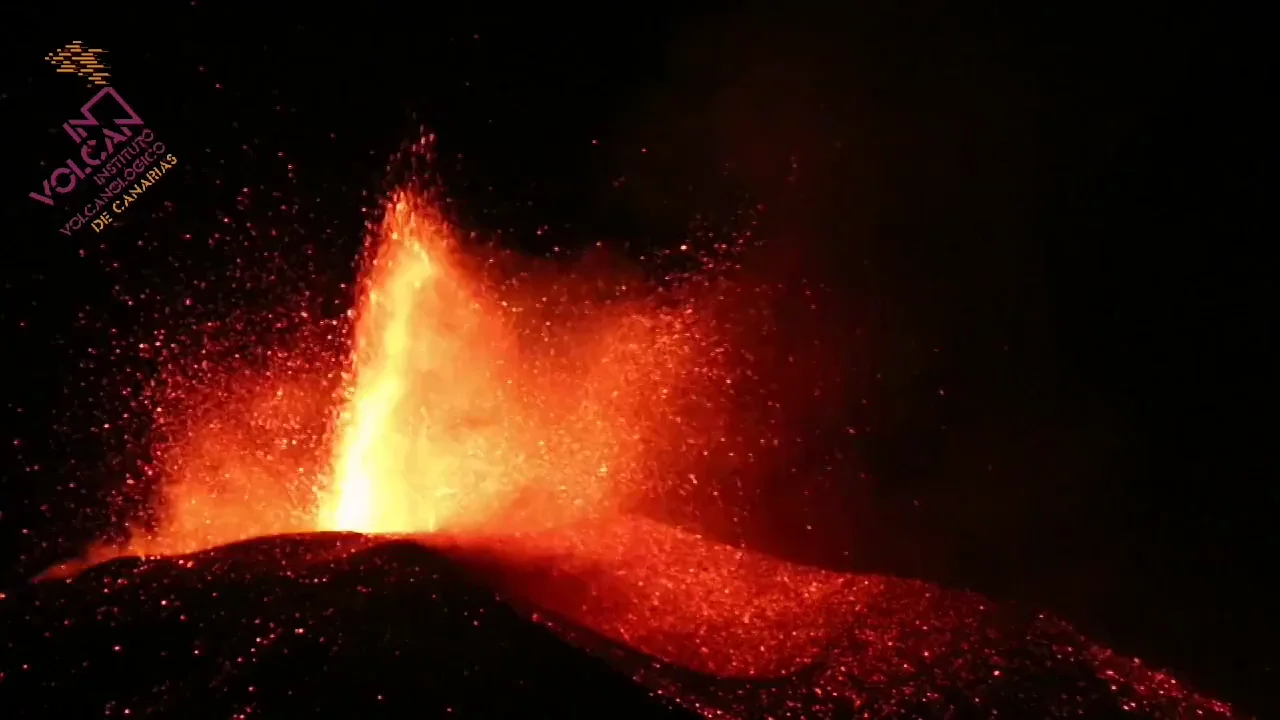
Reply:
x=494 y=508
x=346 y=625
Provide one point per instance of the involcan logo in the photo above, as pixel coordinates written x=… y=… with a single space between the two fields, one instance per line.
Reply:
x=117 y=155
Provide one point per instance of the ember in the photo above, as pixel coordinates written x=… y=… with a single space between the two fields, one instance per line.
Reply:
x=518 y=418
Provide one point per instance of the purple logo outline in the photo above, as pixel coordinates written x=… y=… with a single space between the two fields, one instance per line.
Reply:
x=78 y=135
x=74 y=127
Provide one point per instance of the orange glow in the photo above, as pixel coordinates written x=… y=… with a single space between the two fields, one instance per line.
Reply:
x=483 y=393
x=377 y=473
x=469 y=411
x=526 y=419
x=679 y=596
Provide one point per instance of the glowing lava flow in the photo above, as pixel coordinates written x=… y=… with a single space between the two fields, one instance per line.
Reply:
x=519 y=418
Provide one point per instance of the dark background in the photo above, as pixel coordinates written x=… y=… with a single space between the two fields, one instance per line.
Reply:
x=1036 y=226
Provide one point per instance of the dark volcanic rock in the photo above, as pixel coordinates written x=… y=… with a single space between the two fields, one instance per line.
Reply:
x=345 y=626
x=318 y=626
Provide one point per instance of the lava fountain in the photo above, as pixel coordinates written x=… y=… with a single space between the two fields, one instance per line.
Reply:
x=491 y=402
x=384 y=480
x=531 y=421
x=483 y=393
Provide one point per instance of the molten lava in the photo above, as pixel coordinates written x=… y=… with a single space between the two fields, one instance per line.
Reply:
x=474 y=407
x=380 y=471
x=526 y=418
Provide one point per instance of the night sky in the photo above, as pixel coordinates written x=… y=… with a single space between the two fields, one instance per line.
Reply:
x=1034 y=226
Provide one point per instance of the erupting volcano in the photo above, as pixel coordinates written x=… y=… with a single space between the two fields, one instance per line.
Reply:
x=541 y=426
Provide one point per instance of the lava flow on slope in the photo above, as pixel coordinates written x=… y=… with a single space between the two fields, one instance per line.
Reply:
x=523 y=422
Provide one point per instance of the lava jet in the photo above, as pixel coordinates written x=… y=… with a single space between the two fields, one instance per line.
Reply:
x=462 y=519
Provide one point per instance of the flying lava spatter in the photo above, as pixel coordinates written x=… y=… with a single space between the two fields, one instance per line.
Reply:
x=523 y=418
x=479 y=404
